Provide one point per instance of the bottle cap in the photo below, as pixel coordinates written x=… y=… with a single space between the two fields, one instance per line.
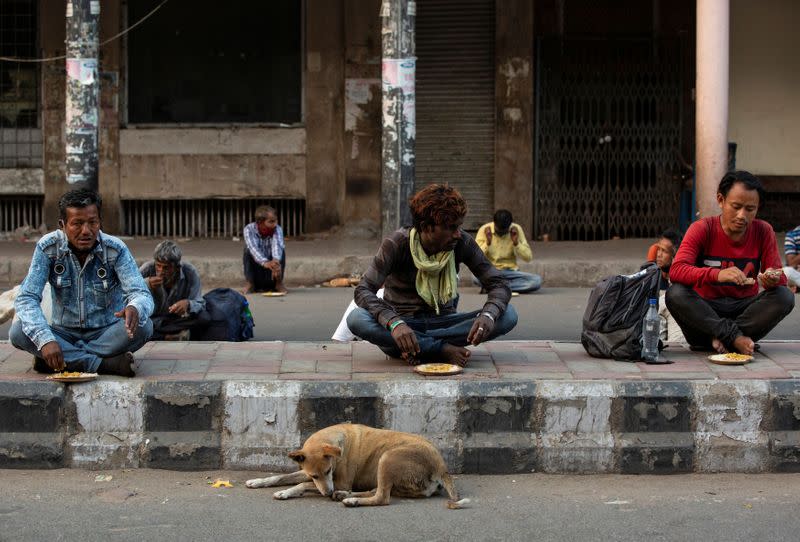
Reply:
x=653 y=300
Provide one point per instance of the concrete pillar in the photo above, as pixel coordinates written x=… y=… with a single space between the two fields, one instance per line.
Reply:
x=324 y=114
x=399 y=112
x=53 y=98
x=513 y=163
x=711 y=124
x=83 y=91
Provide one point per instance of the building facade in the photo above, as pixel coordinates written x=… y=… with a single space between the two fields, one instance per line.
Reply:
x=577 y=115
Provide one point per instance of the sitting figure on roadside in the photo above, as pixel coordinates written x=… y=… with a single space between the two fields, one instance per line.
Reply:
x=264 y=253
x=175 y=285
x=665 y=249
x=714 y=295
x=101 y=305
x=503 y=242
x=791 y=249
x=417 y=318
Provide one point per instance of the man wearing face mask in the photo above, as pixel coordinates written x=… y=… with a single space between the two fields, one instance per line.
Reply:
x=264 y=253
x=417 y=318
x=716 y=274
x=180 y=308
x=101 y=306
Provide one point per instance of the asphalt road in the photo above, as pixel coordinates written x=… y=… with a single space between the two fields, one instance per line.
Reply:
x=145 y=504
x=312 y=314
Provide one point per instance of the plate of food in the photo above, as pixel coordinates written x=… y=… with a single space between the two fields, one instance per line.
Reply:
x=274 y=294
x=438 y=369
x=731 y=358
x=72 y=376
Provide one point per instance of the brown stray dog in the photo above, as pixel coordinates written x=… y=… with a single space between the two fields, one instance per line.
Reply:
x=375 y=462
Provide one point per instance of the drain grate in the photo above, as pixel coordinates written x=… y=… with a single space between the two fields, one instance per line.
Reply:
x=212 y=218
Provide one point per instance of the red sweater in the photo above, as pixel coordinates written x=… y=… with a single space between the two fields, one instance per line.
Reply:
x=706 y=250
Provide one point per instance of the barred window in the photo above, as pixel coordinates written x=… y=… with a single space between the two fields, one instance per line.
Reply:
x=202 y=61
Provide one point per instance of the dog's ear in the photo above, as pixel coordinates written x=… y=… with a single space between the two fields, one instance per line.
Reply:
x=297 y=455
x=331 y=450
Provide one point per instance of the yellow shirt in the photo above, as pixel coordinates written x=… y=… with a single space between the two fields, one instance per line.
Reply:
x=502 y=252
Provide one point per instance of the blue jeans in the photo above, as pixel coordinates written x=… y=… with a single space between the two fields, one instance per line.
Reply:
x=518 y=281
x=84 y=349
x=431 y=331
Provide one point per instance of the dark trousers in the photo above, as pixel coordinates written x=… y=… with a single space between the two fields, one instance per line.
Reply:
x=726 y=318
x=260 y=278
x=170 y=324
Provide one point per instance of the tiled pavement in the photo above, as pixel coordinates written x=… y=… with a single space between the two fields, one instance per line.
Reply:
x=498 y=360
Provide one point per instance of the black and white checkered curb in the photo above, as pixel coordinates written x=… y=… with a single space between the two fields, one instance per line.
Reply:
x=481 y=427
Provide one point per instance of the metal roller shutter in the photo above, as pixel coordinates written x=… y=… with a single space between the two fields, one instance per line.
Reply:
x=455 y=100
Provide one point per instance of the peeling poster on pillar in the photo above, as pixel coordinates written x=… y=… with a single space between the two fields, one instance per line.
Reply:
x=82 y=70
x=400 y=74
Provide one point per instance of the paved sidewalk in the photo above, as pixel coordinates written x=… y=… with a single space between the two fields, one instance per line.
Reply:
x=358 y=361
x=520 y=406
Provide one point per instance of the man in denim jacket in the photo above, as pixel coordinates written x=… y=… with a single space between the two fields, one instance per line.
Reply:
x=101 y=305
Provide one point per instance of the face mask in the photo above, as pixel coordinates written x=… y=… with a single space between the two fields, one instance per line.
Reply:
x=265 y=230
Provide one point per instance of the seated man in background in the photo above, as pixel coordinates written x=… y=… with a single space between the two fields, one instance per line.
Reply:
x=175 y=285
x=714 y=295
x=791 y=249
x=666 y=247
x=101 y=306
x=418 y=266
x=503 y=242
x=264 y=253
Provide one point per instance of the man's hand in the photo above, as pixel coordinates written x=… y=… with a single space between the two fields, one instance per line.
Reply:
x=770 y=278
x=131 y=316
x=514 y=235
x=487 y=231
x=180 y=307
x=481 y=329
x=734 y=275
x=406 y=340
x=275 y=267
x=53 y=356
x=154 y=282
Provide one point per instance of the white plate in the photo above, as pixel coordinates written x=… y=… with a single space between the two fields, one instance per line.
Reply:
x=727 y=359
x=438 y=369
x=83 y=377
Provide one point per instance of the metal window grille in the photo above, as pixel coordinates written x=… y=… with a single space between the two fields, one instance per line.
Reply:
x=20 y=136
x=17 y=211
x=213 y=218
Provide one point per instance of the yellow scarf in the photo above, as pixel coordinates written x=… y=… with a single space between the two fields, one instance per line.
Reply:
x=437 y=282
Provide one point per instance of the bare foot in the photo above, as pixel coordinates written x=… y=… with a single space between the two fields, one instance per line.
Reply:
x=455 y=354
x=717 y=345
x=279 y=287
x=247 y=289
x=744 y=345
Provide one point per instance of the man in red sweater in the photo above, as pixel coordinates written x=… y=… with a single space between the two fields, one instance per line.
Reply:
x=716 y=273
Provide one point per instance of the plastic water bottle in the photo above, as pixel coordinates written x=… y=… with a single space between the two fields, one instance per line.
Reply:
x=650 y=333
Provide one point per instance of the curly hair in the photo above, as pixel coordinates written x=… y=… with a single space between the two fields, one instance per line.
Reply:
x=437 y=204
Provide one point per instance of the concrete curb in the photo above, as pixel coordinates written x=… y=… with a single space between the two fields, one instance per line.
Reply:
x=481 y=427
x=309 y=271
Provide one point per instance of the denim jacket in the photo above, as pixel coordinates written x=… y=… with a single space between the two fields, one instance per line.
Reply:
x=82 y=298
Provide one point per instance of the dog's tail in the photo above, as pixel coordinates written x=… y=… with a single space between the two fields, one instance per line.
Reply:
x=453 y=502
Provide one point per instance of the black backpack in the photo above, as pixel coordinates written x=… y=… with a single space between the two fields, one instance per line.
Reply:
x=612 y=323
x=231 y=319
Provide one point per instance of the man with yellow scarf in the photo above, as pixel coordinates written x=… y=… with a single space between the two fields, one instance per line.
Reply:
x=417 y=317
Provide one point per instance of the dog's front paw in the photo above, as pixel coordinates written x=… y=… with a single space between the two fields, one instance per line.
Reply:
x=254 y=483
x=282 y=495
x=340 y=495
x=351 y=502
